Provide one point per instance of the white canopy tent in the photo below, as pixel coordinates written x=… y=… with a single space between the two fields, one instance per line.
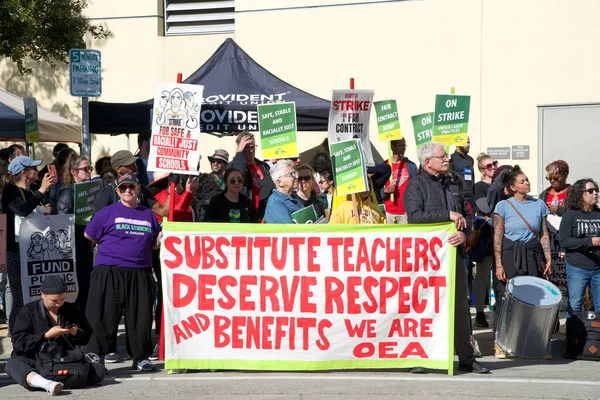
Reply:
x=52 y=127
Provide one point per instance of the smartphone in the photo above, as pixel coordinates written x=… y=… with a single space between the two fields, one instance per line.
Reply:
x=52 y=170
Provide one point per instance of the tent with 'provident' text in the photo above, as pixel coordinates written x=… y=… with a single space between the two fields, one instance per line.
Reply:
x=234 y=84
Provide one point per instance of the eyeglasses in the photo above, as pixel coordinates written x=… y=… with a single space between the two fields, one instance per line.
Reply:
x=305 y=178
x=234 y=180
x=217 y=162
x=444 y=157
x=124 y=188
x=551 y=178
x=291 y=175
x=491 y=166
x=592 y=190
x=86 y=169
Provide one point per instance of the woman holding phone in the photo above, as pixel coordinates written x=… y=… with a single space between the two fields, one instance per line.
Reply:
x=19 y=201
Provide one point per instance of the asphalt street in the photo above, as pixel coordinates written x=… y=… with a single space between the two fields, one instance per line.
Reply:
x=510 y=379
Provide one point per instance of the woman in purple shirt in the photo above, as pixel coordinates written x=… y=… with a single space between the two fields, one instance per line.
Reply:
x=122 y=277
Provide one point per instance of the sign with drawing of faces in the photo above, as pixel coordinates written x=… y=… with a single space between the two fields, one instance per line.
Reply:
x=175 y=142
x=47 y=247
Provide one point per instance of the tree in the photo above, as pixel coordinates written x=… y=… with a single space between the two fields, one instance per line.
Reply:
x=44 y=30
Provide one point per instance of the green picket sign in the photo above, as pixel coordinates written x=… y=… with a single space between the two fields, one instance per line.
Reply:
x=277 y=127
x=388 y=123
x=85 y=195
x=451 y=119
x=349 y=167
x=423 y=128
x=307 y=215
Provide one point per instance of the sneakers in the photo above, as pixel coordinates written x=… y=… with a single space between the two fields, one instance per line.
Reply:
x=154 y=355
x=547 y=357
x=144 y=365
x=498 y=352
x=481 y=320
x=54 y=388
x=112 y=358
x=476 y=351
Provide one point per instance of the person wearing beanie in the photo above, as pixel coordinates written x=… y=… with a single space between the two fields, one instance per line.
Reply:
x=45 y=323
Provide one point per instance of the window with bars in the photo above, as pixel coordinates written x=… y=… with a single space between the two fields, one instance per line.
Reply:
x=187 y=17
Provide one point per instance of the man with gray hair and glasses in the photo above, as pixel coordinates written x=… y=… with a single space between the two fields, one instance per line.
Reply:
x=435 y=196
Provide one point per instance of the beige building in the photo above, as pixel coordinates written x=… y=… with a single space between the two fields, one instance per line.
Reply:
x=510 y=56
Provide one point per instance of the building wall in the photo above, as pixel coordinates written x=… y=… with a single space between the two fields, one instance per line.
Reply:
x=510 y=56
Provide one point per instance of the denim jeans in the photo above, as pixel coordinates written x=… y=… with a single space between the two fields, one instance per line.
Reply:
x=577 y=280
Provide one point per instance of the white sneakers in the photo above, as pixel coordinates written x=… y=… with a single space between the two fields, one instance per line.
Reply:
x=54 y=388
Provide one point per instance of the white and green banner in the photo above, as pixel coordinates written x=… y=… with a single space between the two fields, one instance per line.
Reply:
x=308 y=297
x=388 y=122
x=451 y=119
x=349 y=171
x=349 y=117
x=277 y=127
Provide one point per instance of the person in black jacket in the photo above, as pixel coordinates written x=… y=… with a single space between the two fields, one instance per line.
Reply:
x=253 y=170
x=77 y=170
x=463 y=164
x=230 y=205
x=44 y=326
x=434 y=196
x=19 y=201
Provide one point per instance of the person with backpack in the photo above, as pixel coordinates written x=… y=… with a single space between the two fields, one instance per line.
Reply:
x=402 y=171
x=46 y=339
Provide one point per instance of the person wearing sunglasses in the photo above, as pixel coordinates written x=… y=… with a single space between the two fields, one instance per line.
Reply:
x=230 y=205
x=281 y=204
x=126 y=234
x=580 y=237
x=305 y=193
x=482 y=252
x=78 y=170
x=556 y=194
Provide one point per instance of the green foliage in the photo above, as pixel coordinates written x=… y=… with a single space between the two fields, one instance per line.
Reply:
x=43 y=30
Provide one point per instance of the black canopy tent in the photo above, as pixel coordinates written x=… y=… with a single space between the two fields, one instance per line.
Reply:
x=233 y=86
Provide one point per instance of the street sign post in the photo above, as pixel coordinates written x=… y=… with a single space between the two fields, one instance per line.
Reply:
x=85 y=80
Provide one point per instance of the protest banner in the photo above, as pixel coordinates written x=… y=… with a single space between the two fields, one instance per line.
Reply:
x=315 y=297
x=349 y=117
x=423 y=128
x=174 y=146
x=451 y=119
x=307 y=215
x=388 y=123
x=47 y=247
x=349 y=172
x=85 y=195
x=277 y=128
x=2 y=242
x=32 y=134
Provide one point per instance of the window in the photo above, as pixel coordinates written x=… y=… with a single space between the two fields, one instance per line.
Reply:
x=185 y=17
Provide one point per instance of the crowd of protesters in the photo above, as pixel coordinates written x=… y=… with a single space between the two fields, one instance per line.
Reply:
x=500 y=227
